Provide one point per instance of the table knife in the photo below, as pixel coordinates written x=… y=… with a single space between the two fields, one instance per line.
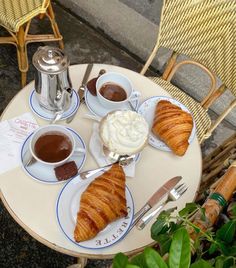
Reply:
x=82 y=88
x=157 y=196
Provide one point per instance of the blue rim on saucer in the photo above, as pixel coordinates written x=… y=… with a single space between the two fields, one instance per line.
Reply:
x=96 y=108
x=47 y=172
x=68 y=203
x=47 y=115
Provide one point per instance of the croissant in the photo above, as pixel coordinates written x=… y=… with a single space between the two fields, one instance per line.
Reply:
x=172 y=125
x=102 y=202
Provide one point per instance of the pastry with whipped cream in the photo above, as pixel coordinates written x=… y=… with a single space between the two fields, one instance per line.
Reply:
x=124 y=132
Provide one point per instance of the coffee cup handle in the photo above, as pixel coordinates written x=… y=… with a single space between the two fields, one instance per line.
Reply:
x=79 y=150
x=134 y=96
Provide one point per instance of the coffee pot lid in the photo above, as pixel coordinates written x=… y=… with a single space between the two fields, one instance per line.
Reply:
x=50 y=60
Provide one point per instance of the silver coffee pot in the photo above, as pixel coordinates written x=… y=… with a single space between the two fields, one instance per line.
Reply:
x=52 y=80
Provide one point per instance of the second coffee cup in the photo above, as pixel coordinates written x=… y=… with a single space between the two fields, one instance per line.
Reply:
x=53 y=145
x=114 y=90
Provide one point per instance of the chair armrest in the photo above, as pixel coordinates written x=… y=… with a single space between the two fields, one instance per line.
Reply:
x=150 y=59
x=210 y=74
x=220 y=119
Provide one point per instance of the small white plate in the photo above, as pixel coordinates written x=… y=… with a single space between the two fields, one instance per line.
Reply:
x=44 y=173
x=47 y=115
x=147 y=109
x=68 y=206
x=96 y=108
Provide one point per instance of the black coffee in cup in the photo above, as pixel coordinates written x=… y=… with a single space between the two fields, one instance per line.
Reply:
x=113 y=92
x=53 y=147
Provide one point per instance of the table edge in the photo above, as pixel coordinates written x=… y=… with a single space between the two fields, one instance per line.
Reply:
x=60 y=249
x=50 y=244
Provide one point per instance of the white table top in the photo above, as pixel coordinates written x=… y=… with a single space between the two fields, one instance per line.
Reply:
x=32 y=204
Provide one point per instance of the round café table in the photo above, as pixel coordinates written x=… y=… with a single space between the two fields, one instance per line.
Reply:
x=33 y=204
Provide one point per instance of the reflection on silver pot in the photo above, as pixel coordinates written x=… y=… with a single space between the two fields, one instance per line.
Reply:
x=52 y=81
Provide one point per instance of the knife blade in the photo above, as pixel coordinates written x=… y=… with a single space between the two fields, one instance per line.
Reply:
x=157 y=196
x=80 y=91
x=85 y=79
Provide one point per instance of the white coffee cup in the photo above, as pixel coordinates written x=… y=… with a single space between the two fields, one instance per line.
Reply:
x=58 y=130
x=123 y=82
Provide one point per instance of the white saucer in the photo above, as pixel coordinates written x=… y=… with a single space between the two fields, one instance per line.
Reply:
x=44 y=173
x=68 y=206
x=96 y=108
x=47 y=115
x=147 y=109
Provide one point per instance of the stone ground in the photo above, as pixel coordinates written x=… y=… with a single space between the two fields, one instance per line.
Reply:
x=83 y=44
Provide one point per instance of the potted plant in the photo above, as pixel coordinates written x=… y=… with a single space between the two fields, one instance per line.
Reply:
x=176 y=248
x=192 y=239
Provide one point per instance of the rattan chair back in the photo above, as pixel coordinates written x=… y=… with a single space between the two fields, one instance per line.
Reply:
x=205 y=31
x=16 y=16
x=13 y=13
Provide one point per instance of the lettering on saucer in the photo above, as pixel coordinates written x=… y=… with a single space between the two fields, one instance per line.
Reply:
x=114 y=235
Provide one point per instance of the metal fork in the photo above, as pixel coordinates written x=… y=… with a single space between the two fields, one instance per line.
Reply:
x=122 y=160
x=173 y=195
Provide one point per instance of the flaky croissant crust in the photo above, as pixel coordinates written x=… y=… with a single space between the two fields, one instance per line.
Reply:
x=101 y=203
x=172 y=125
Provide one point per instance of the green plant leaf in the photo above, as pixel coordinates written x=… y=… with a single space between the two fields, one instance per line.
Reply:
x=165 y=229
x=180 y=254
x=120 y=261
x=153 y=259
x=164 y=242
x=189 y=208
x=224 y=262
x=219 y=262
x=225 y=249
x=165 y=214
x=157 y=227
x=228 y=262
x=212 y=248
x=232 y=251
x=227 y=231
x=174 y=226
x=131 y=266
x=201 y=264
x=139 y=260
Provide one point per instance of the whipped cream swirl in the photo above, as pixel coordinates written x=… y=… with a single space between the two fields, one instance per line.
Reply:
x=124 y=132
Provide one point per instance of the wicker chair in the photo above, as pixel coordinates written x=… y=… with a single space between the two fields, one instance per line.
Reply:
x=15 y=17
x=204 y=31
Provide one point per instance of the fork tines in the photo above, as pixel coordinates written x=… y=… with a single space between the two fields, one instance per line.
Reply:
x=182 y=188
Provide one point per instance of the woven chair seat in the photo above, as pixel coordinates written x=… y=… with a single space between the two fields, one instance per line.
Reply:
x=14 y=13
x=202 y=119
x=198 y=29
